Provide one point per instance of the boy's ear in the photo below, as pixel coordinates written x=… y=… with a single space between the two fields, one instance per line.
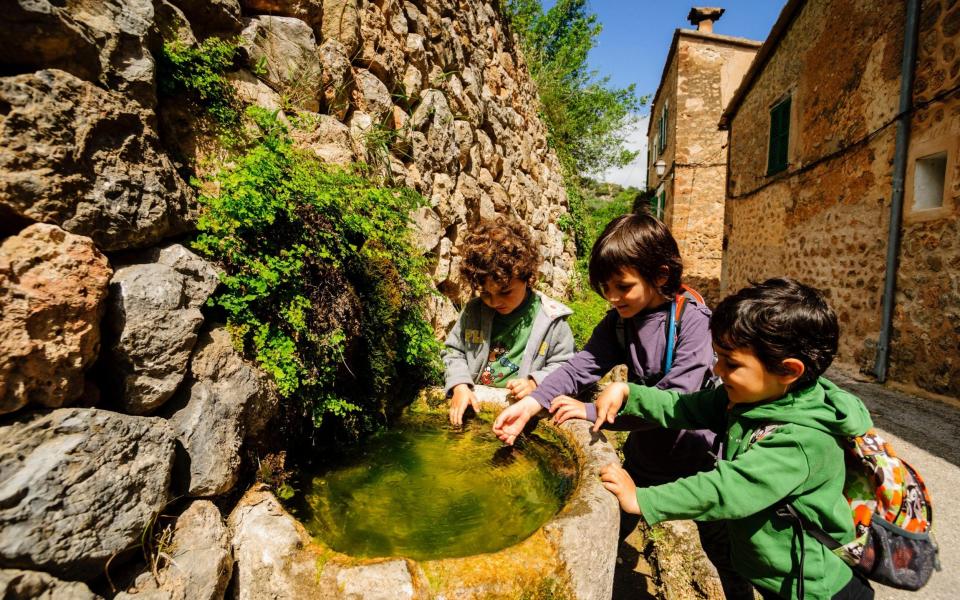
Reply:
x=793 y=370
x=663 y=273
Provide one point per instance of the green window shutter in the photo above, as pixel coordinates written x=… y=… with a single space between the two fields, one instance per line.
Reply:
x=779 y=137
x=666 y=123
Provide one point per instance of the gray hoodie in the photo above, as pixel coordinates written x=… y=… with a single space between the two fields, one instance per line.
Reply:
x=468 y=345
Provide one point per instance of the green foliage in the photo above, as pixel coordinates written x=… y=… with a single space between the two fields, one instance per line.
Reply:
x=322 y=284
x=198 y=71
x=588 y=307
x=585 y=116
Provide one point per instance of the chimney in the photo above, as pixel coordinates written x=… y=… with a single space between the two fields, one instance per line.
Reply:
x=704 y=16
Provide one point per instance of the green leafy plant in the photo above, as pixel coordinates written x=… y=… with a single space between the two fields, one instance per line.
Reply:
x=198 y=71
x=586 y=117
x=322 y=284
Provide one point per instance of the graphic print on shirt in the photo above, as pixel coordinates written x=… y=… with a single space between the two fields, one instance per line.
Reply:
x=499 y=367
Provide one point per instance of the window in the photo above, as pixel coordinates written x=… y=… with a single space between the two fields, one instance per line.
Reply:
x=930 y=174
x=930 y=189
x=662 y=127
x=661 y=199
x=779 y=137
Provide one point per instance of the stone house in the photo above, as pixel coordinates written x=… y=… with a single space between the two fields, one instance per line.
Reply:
x=811 y=183
x=702 y=71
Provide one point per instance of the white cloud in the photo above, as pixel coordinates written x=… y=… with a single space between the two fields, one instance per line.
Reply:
x=635 y=173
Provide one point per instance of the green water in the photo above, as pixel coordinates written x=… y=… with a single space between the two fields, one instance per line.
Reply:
x=425 y=491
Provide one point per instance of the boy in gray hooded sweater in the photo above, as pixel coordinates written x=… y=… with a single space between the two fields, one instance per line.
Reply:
x=510 y=336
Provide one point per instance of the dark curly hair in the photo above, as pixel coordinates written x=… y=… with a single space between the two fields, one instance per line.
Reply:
x=501 y=250
x=638 y=241
x=779 y=319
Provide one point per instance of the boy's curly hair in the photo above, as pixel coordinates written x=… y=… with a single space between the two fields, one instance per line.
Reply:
x=501 y=250
x=778 y=319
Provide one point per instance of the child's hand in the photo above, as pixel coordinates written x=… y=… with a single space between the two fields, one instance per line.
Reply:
x=608 y=403
x=620 y=484
x=521 y=388
x=564 y=408
x=463 y=397
x=514 y=418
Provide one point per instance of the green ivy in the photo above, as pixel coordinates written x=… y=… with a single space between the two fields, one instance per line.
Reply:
x=322 y=284
x=198 y=71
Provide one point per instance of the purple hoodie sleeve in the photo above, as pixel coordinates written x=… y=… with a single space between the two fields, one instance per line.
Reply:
x=693 y=356
x=601 y=354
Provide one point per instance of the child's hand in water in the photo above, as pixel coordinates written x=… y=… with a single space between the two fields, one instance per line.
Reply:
x=521 y=388
x=514 y=418
x=565 y=408
x=608 y=403
x=619 y=483
x=463 y=397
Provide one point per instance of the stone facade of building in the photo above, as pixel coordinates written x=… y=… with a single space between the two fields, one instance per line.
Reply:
x=824 y=219
x=703 y=70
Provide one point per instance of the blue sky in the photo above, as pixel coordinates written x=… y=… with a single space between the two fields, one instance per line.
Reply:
x=634 y=43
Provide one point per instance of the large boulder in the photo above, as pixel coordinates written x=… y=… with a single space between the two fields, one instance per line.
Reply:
x=371 y=95
x=382 y=49
x=335 y=78
x=341 y=22
x=200 y=560
x=225 y=402
x=212 y=16
x=103 y=41
x=328 y=139
x=53 y=288
x=78 y=487
x=88 y=160
x=284 y=50
x=151 y=326
x=309 y=11
x=36 y=585
x=271 y=548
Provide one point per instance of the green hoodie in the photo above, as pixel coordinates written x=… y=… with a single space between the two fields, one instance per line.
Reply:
x=775 y=452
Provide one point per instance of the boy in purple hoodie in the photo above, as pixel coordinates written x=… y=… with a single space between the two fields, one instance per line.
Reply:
x=636 y=266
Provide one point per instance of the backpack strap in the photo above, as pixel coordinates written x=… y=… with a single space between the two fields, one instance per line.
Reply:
x=673 y=327
x=801 y=524
x=672 y=330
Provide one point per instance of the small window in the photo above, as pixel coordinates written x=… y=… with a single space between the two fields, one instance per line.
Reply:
x=662 y=129
x=779 y=137
x=928 y=181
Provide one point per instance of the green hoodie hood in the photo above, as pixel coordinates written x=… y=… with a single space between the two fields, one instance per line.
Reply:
x=822 y=406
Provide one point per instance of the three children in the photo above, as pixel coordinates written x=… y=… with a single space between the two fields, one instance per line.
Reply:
x=781 y=423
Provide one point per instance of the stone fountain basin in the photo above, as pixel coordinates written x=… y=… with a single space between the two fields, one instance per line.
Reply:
x=571 y=556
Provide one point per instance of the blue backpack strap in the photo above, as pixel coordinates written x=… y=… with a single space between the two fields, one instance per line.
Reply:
x=671 y=338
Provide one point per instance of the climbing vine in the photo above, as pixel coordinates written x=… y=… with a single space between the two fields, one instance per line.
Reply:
x=322 y=285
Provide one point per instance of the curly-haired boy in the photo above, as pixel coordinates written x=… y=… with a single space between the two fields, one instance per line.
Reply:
x=510 y=335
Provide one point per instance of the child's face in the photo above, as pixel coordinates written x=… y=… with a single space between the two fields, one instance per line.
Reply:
x=745 y=378
x=503 y=298
x=629 y=293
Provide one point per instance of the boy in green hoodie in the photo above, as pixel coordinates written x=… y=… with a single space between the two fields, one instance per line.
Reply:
x=784 y=426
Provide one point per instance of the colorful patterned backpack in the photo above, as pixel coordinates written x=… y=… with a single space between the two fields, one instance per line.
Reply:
x=892 y=516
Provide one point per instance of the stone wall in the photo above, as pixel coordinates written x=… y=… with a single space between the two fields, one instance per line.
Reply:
x=118 y=398
x=825 y=219
x=704 y=70
x=925 y=350
x=708 y=67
